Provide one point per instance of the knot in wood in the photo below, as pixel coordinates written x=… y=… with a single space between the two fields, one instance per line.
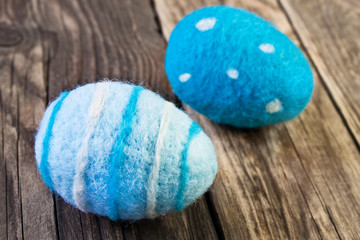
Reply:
x=10 y=37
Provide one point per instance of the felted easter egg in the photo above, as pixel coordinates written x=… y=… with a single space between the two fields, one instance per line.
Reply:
x=121 y=151
x=237 y=68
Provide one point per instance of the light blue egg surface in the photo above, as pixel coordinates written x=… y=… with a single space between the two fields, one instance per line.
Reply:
x=121 y=151
x=237 y=68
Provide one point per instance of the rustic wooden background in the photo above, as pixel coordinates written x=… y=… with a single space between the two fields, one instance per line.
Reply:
x=298 y=180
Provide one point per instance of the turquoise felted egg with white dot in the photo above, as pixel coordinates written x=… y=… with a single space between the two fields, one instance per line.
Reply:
x=236 y=68
x=121 y=151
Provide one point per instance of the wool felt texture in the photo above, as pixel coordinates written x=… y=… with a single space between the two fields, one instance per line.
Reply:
x=237 y=69
x=122 y=151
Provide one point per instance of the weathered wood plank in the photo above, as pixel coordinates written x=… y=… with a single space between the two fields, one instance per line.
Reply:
x=9 y=111
x=295 y=180
x=3 y=183
x=36 y=201
x=330 y=30
x=63 y=44
x=29 y=206
x=182 y=224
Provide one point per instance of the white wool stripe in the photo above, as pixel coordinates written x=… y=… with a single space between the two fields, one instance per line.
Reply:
x=95 y=109
x=154 y=174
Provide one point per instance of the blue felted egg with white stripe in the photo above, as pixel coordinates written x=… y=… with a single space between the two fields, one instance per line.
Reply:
x=237 y=69
x=121 y=151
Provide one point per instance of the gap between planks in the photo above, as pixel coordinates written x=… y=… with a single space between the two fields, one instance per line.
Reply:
x=321 y=76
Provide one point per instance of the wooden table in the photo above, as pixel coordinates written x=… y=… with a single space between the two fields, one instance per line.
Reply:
x=298 y=180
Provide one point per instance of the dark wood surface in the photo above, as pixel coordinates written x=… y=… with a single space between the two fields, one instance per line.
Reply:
x=298 y=180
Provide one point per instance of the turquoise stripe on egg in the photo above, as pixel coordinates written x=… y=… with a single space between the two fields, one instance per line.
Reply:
x=68 y=131
x=117 y=153
x=193 y=131
x=170 y=163
x=44 y=164
x=139 y=153
x=123 y=152
x=99 y=164
x=201 y=167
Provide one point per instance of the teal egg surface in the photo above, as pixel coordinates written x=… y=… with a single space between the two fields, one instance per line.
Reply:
x=237 y=69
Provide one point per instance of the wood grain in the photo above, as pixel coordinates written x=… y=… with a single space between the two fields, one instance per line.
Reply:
x=330 y=30
x=50 y=46
x=290 y=181
x=29 y=207
x=297 y=180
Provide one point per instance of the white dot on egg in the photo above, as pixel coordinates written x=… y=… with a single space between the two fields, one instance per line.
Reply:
x=205 y=24
x=184 y=77
x=274 y=106
x=232 y=73
x=267 y=48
